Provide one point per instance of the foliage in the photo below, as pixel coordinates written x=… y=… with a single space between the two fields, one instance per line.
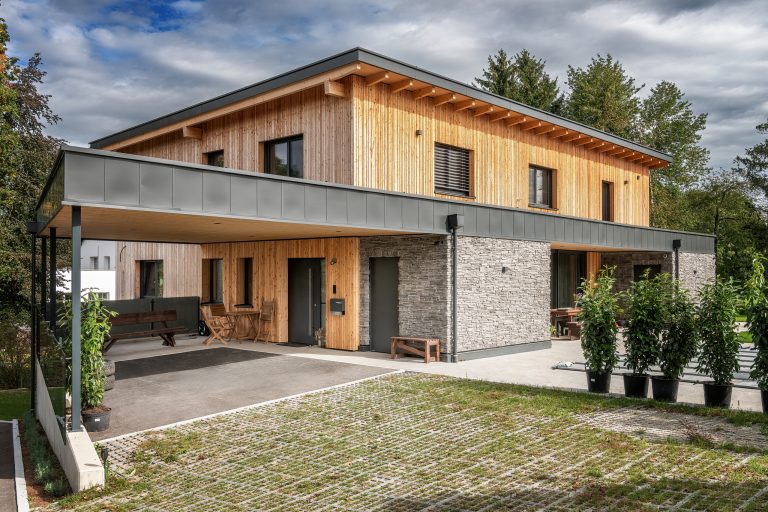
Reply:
x=26 y=155
x=718 y=355
x=754 y=164
x=521 y=79
x=14 y=355
x=13 y=403
x=45 y=467
x=603 y=96
x=757 y=319
x=679 y=335
x=94 y=327
x=645 y=322
x=599 y=306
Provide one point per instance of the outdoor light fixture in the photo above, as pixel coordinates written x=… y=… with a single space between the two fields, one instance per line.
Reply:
x=504 y=269
x=333 y=261
x=419 y=132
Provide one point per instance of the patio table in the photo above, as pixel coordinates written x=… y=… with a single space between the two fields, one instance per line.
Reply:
x=253 y=319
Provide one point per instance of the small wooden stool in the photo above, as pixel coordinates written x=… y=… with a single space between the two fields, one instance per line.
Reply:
x=399 y=343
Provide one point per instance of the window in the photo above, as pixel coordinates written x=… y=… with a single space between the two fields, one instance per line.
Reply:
x=102 y=295
x=285 y=157
x=94 y=262
x=213 y=280
x=540 y=187
x=607 y=201
x=245 y=282
x=150 y=278
x=215 y=158
x=452 y=170
x=567 y=271
x=107 y=263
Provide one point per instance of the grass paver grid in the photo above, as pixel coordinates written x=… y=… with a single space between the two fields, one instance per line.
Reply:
x=422 y=442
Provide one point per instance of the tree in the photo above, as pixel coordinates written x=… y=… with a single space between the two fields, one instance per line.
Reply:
x=754 y=164
x=668 y=124
x=26 y=156
x=603 y=96
x=522 y=79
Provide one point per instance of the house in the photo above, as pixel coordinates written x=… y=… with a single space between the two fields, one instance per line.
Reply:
x=97 y=269
x=369 y=197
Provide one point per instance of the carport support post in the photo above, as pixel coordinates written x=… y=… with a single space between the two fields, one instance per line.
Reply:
x=52 y=281
x=75 y=297
x=43 y=274
x=34 y=322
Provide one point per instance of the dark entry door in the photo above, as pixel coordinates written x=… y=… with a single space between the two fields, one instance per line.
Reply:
x=384 y=299
x=305 y=304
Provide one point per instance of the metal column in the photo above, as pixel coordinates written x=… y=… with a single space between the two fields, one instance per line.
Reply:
x=34 y=322
x=52 y=282
x=43 y=273
x=75 y=297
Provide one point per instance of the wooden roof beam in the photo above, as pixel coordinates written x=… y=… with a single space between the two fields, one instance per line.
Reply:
x=192 y=132
x=444 y=98
x=608 y=147
x=488 y=109
x=500 y=116
x=581 y=142
x=515 y=120
x=463 y=105
x=625 y=156
x=545 y=129
x=423 y=93
x=530 y=125
x=334 y=88
x=572 y=137
x=645 y=161
x=658 y=165
x=400 y=86
x=376 y=78
x=616 y=152
x=560 y=132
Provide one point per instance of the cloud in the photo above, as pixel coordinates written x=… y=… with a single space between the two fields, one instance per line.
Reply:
x=115 y=64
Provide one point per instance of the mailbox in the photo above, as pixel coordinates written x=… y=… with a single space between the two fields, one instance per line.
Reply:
x=337 y=307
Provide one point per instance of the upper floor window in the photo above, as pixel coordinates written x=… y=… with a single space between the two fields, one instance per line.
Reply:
x=285 y=157
x=607 y=201
x=151 y=278
x=107 y=263
x=452 y=170
x=94 y=263
x=540 y=185
x=215 y=158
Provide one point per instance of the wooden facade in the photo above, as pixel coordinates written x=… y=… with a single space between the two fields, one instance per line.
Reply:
x=180 y=261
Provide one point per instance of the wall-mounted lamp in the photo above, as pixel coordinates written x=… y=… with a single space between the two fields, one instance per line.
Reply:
x=419 y=132
x=637 y=177
x=504 y=270
x=333 y=261
x=626 y=182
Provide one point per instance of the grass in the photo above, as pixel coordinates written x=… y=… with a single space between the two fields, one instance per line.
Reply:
x=45 y=466
x=416 y=442
x=13 y=403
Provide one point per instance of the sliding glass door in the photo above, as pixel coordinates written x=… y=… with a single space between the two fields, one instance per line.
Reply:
x=568 y=269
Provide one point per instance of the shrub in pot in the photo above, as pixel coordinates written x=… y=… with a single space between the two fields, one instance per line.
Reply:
x=679 y=339
x=599 y=307
x=719 y=351
x=94 y=327
x=645 y=320
x=757 y=322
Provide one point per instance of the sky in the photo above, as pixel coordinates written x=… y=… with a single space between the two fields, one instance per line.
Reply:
x=114 y=64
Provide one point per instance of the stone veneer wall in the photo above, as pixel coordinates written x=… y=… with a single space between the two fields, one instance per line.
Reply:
x=498 y=308
x=423 y=289
x=695 y=270
x=625 y=265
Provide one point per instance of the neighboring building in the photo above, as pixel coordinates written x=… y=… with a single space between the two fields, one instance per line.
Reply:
x=98 y=269
x=336 y=181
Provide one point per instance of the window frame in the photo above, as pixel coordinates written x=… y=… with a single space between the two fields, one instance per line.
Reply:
x=269 y=144
x=611 y=211
x=551 y=187
x=245 y=282
x=159 y=281
x=470 y=192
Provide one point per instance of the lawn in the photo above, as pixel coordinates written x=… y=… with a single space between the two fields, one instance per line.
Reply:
x=418 y=442
x=13 y=403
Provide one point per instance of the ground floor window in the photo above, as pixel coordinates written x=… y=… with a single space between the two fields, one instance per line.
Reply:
x=568 y=270
x=150 y=278
x=213 y=281
x=245 y=282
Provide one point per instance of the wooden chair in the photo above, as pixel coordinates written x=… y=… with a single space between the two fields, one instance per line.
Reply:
x=266 y=316
x=219 y=324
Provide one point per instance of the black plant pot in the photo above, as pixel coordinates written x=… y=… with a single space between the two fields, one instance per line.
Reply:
x=764 y=398
x=635 y=385
x=598 y=382
x=96 y=420
x=664 y=390
x=716 y=395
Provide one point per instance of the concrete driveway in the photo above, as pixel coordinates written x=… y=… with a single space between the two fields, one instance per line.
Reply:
x=176 y=385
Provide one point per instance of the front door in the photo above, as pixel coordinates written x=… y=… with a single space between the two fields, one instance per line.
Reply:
x=305 y=304
x=384 y=299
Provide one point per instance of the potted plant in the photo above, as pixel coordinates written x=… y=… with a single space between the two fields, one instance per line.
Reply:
x=719 y=352
x=757 y=322
x=679 y=340
x=94 y=327
x=599 y=306
x=645 y=320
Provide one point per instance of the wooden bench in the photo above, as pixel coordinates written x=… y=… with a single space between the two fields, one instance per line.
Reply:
x=405 y=344
x=162 y=317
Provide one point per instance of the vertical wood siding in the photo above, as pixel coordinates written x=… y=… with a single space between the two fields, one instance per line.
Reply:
x=181 y=268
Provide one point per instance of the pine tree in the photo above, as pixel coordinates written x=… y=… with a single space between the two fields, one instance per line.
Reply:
x=531 y=84
x=497 y=78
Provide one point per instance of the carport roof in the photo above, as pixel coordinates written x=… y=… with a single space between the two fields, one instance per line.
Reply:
x=129 y=197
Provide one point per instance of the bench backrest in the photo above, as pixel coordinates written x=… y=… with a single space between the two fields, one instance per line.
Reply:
x=146 y=317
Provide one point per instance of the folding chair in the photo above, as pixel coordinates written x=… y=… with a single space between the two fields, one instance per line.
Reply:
x=219 y=324
x=266 y=316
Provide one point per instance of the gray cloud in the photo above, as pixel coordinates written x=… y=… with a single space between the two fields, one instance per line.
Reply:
x=114 y=64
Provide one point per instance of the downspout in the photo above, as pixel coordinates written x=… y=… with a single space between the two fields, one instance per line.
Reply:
x=453 y=222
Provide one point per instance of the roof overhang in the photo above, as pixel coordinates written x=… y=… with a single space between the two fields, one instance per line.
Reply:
x=401 y=77
x=128 y=197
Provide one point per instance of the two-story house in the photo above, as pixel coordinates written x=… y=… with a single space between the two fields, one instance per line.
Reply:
x=427 y=206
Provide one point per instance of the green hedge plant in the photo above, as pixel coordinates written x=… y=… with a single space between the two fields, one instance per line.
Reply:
x=756 y=301
x=599 y=306
x=679 y=336
x=719 y=352
x=645 y=321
